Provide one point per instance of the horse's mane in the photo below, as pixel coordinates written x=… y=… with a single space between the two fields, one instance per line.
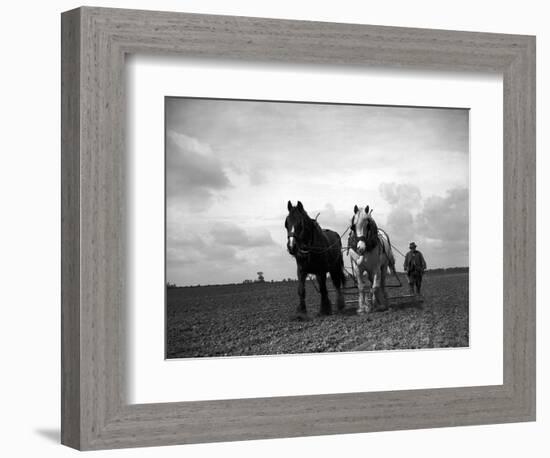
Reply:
x=372 y=234
x=312 y=225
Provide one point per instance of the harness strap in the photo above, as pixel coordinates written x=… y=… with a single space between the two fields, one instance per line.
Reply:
x=308 y=249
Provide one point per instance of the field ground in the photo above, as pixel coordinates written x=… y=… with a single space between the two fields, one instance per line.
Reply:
x=256 y=319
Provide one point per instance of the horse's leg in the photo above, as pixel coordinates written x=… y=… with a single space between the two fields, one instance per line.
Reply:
x=371 y=300
x=377 y=295
x=337 y=277
x=326 y=308
x=383 y=300
x=361 y=286
x=301 y=311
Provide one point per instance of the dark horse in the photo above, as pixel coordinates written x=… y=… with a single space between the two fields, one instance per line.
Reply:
x=317 y=251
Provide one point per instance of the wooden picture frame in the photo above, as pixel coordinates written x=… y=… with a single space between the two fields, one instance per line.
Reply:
x=95 y=411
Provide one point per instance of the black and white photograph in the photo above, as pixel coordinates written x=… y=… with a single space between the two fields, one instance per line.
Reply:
x=298 y=227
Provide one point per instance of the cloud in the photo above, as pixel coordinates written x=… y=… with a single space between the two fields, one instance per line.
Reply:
x=446 y=218
x=193 y=172
x=403 y=198
x=186 y=249
x=234 y=235
x=186 y=253
x=225 y=254
x=438 y=224
x=239 y=162
x=401 y=195
x=257 y=175
x=329 y=218
x=401 y=221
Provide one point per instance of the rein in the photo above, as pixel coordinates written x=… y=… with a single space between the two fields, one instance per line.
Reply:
x=324 y=250
x=313 y=250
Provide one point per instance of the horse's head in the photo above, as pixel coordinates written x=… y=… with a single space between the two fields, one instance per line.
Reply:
x=365 y=229
x=298 y=228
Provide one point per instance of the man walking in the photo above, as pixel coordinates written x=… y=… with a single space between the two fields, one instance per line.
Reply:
x=414 y=265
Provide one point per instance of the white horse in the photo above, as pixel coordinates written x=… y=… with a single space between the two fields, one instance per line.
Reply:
x=371 y=254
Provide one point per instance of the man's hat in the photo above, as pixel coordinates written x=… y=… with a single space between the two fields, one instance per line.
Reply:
x=412 y=245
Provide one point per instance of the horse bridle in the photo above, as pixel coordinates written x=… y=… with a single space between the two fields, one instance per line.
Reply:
x=353 y=228
x=298 y=242
x=361 y=238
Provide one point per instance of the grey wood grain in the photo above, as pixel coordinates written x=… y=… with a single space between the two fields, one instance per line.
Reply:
x=70 y=229
x=95 y=410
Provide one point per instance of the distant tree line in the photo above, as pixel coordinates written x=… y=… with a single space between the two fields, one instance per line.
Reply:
x=448 y=270
x=261 y=278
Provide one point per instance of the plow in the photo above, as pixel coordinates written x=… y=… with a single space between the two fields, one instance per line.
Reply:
x=350 y=290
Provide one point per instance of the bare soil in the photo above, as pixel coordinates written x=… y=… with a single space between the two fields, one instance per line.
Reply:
x=257 y=319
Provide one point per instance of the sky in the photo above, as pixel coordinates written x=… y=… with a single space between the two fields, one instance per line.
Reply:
x=232 y=166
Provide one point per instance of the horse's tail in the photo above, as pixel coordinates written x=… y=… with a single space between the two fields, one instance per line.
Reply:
x=344 y=275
